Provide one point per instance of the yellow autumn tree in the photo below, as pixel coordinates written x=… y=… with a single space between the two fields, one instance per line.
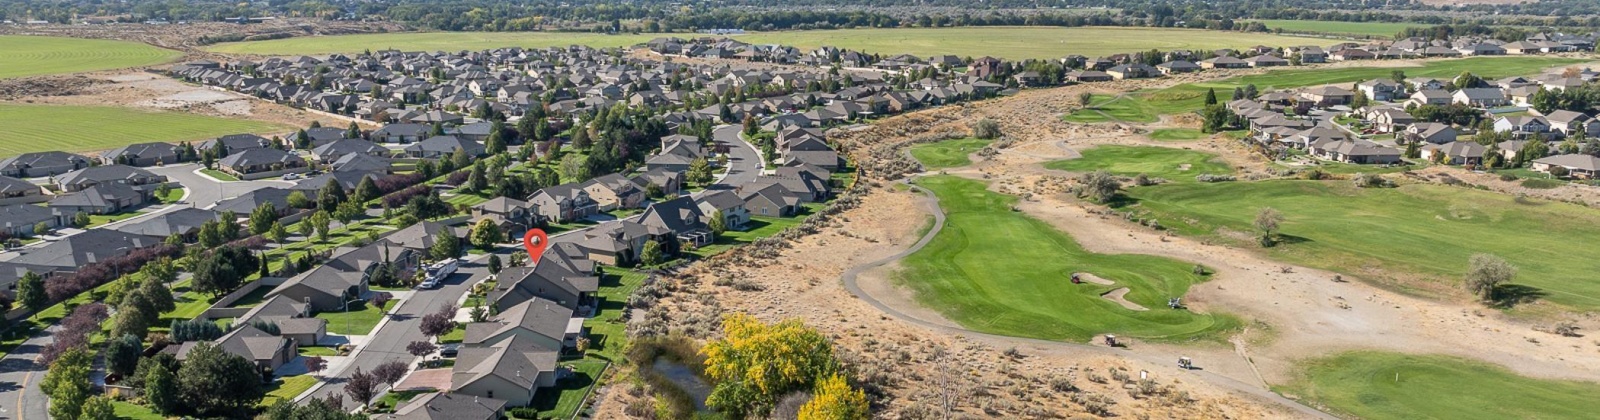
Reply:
x=754 y=364
x=834 y=399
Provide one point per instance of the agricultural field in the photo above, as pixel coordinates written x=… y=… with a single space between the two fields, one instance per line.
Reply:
x=1360 y=29
x=36 y=128
x=1147 y=105
x=1375 y=385
x=1175 y=165
x=1019 y=43
x=995 y=270
x=25 y=56
x=947 y=154
x=426 y=41
x=1415 y=238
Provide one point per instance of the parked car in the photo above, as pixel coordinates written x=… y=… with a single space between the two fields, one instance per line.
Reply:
x=439 y=271
x=449 y=350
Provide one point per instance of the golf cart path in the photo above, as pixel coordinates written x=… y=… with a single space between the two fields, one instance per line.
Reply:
x=849 y=277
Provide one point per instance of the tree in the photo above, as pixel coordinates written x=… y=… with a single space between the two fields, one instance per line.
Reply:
x=1085 y=99
x=834 y=399
x=331 y=194
x=699 y=171
x=754 y=363
x=81 y=219
x=986 y=129
x=223 y=269
x=1487 y=271
x=98 y=408
x=421 y=348
x=298 y=200
x=718 y=223
x=161 y=390
x=67 y=383
x=1099 y=186
x=436 y=324
x=485 y=234
x=30 y=292
x=217 y=383
x=315 y=364
x=122 y=355
x=1267 y=221
x=651 y=254
x=751 y=126
x=445 y=247
x=460 y=159
x=1215 y=119
x=477 y=181
x=348 y=211
x=322 y=223
x=41 y=228
x=361 y=387
x=1360 y=99
x=262 y=218
x=1211 y=96
x=494 y=264
x=133 y=317
x=390 y=372
x=574 y=168
x=367 y=190
x=277 y=233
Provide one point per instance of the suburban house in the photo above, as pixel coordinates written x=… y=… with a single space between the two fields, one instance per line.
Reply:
x=772 y=200
x=734 y=214
x=41 y=164
x=185 y=222
x=325 y=288
x=543 y=323
x=1521 y=125
x=71 y=253
x=18 y=221
x=670 y=182
x=339 y=148
x=16 y=191
x=235 y=143
x=512 y=370
x=142 y=154
x=249 y=201
x=293 y=319
x=612 y=191
x=562 y=204
x=1455 y=153
x=1356 y=151
x=106 y=174
x=563 y=275
x=443 y=146
x=1326 y=96
x=1480 y=97
x=1430 y=97
x=98 y=199
x=1430 y=132
x=262 y=162
x=401 y=133
x=444 y=405
x=1578 y=166
x=1379 y=89
x=682 y=217
x=510 y=214
x=1572 y=123
x=267 y=351
x=620 y=242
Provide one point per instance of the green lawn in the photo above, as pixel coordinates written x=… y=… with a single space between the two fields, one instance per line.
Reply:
x=287 y=388
x=36 y=128
x=455 y=335
x=1376 y=385
x=172 y=196
x=358 y=321
x=427 y=41
x=562 y=400
x=948 y=153
x=466 y=198
x=1392 y=235
x=996 y=270
x=1146 y=105
x=219 y=175
x=394 y=399
x=758 y=227
x=1108 y=108
x=41 y=55
x=1177 y=134
x=101 y=219
x=255 y=297
x=129 y=411
x=1176 y=165
x=1367 y=29
x=1038 y=42
x=318 y=351
x=607 y=330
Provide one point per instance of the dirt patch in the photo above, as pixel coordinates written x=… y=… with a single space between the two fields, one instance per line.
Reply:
x=142 y=90
x=1120 y=297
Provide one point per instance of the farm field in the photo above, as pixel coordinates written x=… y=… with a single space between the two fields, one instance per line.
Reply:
x=36 y=128
x=427 y=41
x=1369 y=29
x=1415 y=237
x=948 y=153
x=995 y=270
x=1375 y=385
x=1146 y=105
x=25 y=56
x=1019 y=43
x=1175 y=165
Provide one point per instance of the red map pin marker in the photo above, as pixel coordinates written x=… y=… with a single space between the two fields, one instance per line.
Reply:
x=535 y=241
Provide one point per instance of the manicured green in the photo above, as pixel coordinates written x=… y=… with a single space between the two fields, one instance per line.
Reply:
x=1177 y=134
x=219 y=175
x=25 y=56
x=101 y=219
x=358 y=321
x=172 y=196
x=1394 y=235
x=454 y=336
x=318 y=351
x=1176 y=165
x=37 y=128
x=996 y=270
x=1377 y=385
x=948 y=153
x=427 y=41
x=255 y=297
x=1366 y=29
x=561 y=401
x=287 y=388
x=1190 y=97
x=1037 y=42
x=1107 y=108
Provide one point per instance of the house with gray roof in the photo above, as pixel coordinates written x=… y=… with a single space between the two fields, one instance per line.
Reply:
x=98 y=199
x=18 y=220
x=293 y=319
x=41 y=164
x=402 y=133
x=734 y=213
x=512 y=215
x=448 y=406
x=235 y=143
x=1455 y=153
x=185 y=222
x=16 y=191
x=268 y=352
x=443 y=146
x=545 y=324
x=106 y=174
x=249 y=201
x=512 y=370
x=770 y=200
x=325 y=288
x=562 y=204
x=682 y=217
x=564 y=275
x=669 y=181
x=143 y=154
x=262 y=162
x=336 y=149
x=620 y=242
x=613 y=191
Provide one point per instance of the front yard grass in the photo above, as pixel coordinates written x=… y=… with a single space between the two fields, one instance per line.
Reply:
x=219 y=175
x=322 y=351
x=129 y=411
x=455 y=335
x=359 y=320
x=172 y=196
x=286 y=388
x=96 y=220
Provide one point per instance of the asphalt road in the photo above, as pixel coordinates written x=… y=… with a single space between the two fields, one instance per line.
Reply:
x=744 y=161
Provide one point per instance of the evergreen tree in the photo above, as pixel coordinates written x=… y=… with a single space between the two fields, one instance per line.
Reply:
x=1211 y=96
x=30 y=292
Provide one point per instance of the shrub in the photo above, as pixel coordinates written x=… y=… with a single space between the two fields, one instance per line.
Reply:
x=986 y=129
x=1364 y=180
x=1213 y=178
